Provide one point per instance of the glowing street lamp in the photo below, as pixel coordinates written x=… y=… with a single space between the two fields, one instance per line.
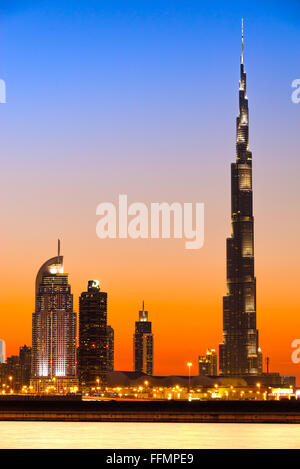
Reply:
x=189 y=364
x=10 y=380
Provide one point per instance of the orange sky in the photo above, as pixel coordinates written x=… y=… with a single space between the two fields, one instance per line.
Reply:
x=150 y=113
x=182 y=292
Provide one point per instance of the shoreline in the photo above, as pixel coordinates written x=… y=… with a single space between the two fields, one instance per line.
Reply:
x=148 y=417
x=52 y=410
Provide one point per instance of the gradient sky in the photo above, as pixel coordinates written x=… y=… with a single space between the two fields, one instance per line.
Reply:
x=140 y=97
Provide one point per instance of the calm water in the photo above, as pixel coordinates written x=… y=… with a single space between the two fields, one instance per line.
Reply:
x=147 y=435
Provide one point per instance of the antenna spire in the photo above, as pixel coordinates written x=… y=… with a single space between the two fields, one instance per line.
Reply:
x=58 y=247
x=143 y=306
x=242 y=55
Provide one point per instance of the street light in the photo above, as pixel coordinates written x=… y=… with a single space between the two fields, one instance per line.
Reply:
x=189 y=364
x=10 y=379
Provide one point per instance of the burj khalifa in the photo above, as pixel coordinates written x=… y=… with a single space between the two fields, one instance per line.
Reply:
x=239 y=352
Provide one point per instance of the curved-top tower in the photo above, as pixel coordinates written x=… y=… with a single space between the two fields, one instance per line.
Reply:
x=239 y=352
x=53 y=323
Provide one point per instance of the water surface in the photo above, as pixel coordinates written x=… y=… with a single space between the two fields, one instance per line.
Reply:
x=111 y=435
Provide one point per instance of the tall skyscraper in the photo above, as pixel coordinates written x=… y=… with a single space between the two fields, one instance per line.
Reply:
x=53 y=323
x=2 y=351
x=92 y=358
x=110 y=348
x=208 y=365
x=239 y=352
x=143 y=344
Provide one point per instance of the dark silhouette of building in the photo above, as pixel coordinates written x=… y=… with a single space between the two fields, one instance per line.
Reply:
x=132 y=378
x=239 y=352
x=53 y=323
x=110 y=348
x=143 y=344
x=25 y=362
x=15 y=373
x=208 y=365
x=92 y=359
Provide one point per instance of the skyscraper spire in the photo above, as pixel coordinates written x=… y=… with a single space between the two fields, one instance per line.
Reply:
x=143 y=306
x=242 y=55
x=58 y=247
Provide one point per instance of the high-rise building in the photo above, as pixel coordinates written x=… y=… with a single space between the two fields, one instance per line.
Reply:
x=92 y=360
x=143 y=344
x=110 y=348
x=239 y=352
x=25 y=362
x=53 y=323
x=208 y=363
x=2 y=351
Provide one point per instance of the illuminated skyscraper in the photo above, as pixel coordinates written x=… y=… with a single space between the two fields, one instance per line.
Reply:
x=92 y=335
x=53 y=323
x=239 y=352
x=208 y=365
x=110 y=348
x=143 y=344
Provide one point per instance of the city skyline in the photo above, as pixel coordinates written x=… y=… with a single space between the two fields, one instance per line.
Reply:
x=167 y=271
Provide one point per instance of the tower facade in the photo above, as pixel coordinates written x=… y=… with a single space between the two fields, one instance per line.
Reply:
x=143 y=344
x=208 y=365
x=92 y=360
x=53 y=323
x=239 y=352
x=110 y=348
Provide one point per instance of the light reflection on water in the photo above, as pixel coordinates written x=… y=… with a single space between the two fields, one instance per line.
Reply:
x=147 y=435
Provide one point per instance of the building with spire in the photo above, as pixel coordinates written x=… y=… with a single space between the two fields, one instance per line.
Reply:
x=53 y=324
x=239 y=352
x=143 y=344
